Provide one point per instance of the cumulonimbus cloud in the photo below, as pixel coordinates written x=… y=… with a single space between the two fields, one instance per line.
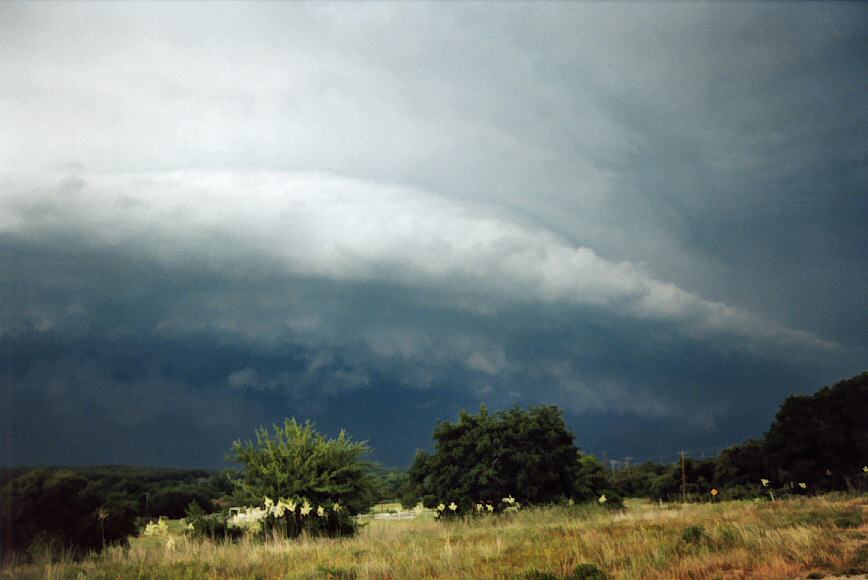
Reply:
x=345 y=229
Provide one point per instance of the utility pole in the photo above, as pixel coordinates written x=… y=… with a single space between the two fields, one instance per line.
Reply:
x=683 y=479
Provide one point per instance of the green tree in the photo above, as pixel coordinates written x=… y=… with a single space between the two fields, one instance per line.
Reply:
x=590 y=478
x=295 y=461
x=821 y=438
x=528 y=454
x=389 y=483
x=61 y=509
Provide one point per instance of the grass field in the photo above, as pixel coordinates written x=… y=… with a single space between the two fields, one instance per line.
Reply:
x=799 y=538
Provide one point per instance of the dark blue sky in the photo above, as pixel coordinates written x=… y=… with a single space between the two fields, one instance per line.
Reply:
x=651 y=215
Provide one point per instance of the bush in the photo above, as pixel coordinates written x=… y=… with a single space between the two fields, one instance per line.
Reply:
x=538 y=575
x=587 y=572
x=728 y=536
x=201 y=525
x=302 y=467
x=852 y=518
x=614 y=501
x=335 y=573
x=693 y=534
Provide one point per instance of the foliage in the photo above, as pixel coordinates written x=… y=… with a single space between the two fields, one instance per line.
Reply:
x=214 y=526
x=821 y=439
x=591 y=482
x=61 y=510
x=484 y=458
x=538 y=575
x=693 y=534
x=852 y=518
x=389 y=483
x=816 y=443
x=39 y=506
x=587 y=571
x=297 y=463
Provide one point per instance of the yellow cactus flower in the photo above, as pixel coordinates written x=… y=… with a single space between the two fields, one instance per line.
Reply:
x=452 y=506
x=765 y=482
x=479 y=507
x=714 y=492
x=489 y=507
x=603 y=498
x=336 y=507
x=803 y=485
x=320 y=511
x=441 y=506
x=509 y=500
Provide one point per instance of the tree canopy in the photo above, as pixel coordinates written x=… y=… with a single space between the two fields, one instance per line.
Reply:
x=295 y=461
x=527 y=454
x=820 y=439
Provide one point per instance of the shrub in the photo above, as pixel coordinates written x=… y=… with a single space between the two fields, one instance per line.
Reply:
x=299 y=465
x=335 y=573
x=727 y=536
x=614 y=501
x=852 y=518
x=587 y=571
x=538 y=575
x=693 y=534
x=202 y=525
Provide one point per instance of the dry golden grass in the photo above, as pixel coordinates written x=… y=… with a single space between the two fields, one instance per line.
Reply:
x=784 y=539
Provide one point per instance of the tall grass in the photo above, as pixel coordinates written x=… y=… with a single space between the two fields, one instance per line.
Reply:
x=784 y=539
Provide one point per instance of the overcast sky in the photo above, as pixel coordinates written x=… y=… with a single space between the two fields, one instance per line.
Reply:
x=214 y=216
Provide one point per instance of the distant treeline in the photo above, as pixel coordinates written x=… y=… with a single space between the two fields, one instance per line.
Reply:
x=816 y=443
x=83 y=508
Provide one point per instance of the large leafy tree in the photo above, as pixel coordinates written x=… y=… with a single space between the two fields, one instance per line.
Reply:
x=529 y=454
x=295 y=461
x=821 y=438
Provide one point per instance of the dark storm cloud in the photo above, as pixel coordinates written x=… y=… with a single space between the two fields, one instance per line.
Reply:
x=650 y=215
